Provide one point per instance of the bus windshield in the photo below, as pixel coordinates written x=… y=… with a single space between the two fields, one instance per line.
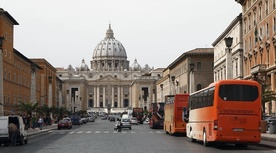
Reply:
x=238 y=92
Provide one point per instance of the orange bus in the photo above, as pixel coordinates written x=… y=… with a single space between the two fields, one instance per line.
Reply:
x=226 y=111
x=173 y=107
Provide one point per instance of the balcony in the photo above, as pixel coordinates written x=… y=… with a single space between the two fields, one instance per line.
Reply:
x=258 y=68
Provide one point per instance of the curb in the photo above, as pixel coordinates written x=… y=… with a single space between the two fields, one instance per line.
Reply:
x=40 y=131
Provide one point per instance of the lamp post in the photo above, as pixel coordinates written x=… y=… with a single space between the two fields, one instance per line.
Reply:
x=1 y=76
x=161 y=86
x=173 y=79
x=191 y=80
x=228 y=43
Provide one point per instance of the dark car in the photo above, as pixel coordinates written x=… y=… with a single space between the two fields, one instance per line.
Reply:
x=112 y=119
x=64 y=124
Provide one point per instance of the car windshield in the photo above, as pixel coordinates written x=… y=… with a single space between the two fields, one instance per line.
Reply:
x=125 y=120
x=63 y=121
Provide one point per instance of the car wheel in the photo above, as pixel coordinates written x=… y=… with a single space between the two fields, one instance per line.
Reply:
x=21 y=140
x=26 y=141
x=130 y=128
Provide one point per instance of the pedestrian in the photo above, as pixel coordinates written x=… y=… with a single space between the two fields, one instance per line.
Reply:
x=40 y=122
x=34 y=121
x=13 y=130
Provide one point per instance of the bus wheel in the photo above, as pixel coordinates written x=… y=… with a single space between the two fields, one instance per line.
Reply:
x=205 y=142
x=191 y=136
x=171 y=131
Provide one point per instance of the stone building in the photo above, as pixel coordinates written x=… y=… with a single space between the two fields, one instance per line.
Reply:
x=228 y=62
x=17 y=72
x=259 y=43
x=190 y=72
x=111 y=84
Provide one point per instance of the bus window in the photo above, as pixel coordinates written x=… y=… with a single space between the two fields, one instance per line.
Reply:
x=233 y=92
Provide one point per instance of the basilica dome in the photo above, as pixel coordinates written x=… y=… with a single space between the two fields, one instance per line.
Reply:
x=109 y=54
x=109 y=48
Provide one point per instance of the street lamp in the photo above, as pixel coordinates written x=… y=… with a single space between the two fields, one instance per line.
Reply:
x=173 y=87
x=192 y=67
x=191 y=77
x=228 y=43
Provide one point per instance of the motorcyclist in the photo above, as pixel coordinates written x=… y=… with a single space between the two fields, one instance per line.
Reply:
x=118 y=125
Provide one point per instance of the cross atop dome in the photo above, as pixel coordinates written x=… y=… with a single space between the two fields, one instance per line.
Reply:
x=109 y=32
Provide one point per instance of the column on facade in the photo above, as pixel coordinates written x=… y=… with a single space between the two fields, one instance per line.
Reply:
x=104 y=87
x=129 y=97
x=50 y=99
x=98 y=96
x=112 y=96
x=122 y=96
x=273 y=105
x=119 y=96
x=1 y=82
x=33 y=84
x=95 y=97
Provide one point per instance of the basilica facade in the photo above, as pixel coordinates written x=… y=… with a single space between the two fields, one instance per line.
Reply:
x=111 y=84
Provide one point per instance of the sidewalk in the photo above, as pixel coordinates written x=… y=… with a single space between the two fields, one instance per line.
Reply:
x=47 y=128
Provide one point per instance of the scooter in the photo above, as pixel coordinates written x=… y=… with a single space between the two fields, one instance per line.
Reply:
x=118 y=127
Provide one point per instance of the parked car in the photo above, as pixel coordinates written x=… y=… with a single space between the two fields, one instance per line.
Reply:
x=62 y=124
x=126 y=123
x=76 y=120
x=134 y=120
x=69 y=120
x=84 y=120
x=91 y=119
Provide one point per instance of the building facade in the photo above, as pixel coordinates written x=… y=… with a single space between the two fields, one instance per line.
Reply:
x=259 y=39
x=190 y=72
x=111 y=84
x=228 y=62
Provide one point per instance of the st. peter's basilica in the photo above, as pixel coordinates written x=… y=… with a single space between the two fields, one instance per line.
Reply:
x=110 y=84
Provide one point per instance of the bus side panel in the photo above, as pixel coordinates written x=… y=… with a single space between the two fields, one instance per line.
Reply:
x=199 y=120
x=181 y=101
x=168 y=117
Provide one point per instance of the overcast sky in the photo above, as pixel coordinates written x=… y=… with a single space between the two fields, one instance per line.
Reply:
x=155 y=32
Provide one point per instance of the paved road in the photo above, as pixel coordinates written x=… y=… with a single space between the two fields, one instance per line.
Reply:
x=100 y=137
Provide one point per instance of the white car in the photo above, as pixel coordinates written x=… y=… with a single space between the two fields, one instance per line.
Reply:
x=134 y=120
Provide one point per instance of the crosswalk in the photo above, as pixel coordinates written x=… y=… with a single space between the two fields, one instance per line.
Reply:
x=105 y=132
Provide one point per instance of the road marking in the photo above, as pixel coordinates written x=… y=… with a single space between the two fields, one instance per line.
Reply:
x=106 y=131
x=98 y=132
x=88 y=131
x=80 y=132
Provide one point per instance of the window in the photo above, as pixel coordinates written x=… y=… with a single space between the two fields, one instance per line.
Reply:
x=274 y=24
x=266 y=7
x=198 y=66
x=267 y=31
x=242 y=93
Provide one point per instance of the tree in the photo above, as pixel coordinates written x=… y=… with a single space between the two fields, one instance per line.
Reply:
x=27 y=107
x=267 y=94
x=45 y=109
x=60 y=112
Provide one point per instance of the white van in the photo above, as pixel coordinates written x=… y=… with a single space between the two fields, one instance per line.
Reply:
x=4 y=129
